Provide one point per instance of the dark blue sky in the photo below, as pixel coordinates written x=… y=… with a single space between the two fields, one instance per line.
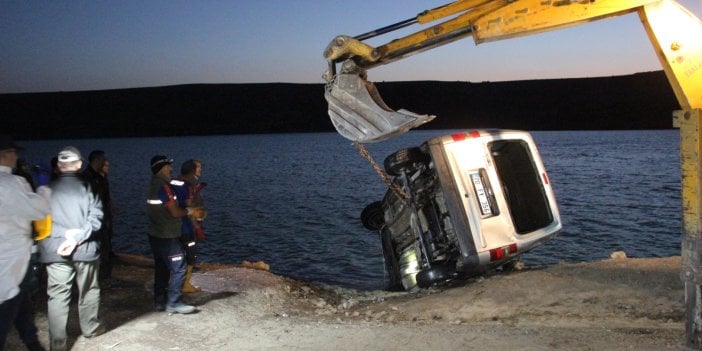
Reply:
x=86 y=45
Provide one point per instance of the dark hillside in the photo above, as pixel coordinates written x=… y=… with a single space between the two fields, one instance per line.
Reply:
x=639 y=101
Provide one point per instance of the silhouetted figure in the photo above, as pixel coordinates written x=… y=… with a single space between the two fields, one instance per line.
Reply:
x=55 y=171
x=96 y=175
x=23 y=169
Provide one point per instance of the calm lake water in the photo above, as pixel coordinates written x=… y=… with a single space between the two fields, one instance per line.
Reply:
x=294 y=200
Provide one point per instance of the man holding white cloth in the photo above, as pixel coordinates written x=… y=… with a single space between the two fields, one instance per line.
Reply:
x=70 y=252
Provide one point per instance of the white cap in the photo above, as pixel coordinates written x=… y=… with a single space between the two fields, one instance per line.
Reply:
x=69 y=154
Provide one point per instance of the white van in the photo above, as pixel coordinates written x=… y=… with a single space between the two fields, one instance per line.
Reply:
x=465 y=203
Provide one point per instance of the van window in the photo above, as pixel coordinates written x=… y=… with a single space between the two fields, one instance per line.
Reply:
x=521 y=185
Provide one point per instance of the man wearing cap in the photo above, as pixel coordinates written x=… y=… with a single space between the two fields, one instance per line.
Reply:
x=19 y=206
x=71 y=253
x=164 y=236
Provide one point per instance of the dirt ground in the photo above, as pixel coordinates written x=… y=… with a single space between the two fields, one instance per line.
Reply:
x=615 y=304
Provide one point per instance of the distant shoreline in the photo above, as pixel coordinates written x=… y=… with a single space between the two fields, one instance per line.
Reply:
x=631 y=102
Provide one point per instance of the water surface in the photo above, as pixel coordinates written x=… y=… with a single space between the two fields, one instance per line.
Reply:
x=294 y=200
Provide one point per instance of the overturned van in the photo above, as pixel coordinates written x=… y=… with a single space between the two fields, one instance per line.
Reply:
x=462 y=204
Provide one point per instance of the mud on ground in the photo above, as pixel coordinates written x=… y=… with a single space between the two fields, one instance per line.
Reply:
x=615 y=304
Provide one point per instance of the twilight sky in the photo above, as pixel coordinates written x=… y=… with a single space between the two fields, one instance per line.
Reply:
x=89 y=45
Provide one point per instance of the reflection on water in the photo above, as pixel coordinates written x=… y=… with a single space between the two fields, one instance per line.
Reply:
x=294 y=200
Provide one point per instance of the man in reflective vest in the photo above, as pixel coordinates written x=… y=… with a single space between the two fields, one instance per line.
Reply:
x=164 y=236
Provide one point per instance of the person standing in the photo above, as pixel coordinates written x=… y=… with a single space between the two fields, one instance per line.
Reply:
x=24 y=170
x=164 y=237
x=71 y=253
x=19 y=206
x=187 y=192
x=95 y=175
x=196 y=187
x=55 y=172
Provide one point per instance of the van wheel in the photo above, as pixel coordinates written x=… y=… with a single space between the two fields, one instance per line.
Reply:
x=405 y=160
x=436 y=274
x=391 y=264
x=372 y=216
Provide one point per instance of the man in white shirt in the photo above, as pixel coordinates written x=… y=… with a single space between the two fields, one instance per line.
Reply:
x=19 y=206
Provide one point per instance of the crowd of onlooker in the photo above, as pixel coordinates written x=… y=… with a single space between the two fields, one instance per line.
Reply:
x=60 y=220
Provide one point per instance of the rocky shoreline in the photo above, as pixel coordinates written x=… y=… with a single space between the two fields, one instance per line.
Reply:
x=615 y=304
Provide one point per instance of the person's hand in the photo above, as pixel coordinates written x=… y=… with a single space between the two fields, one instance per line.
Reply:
x=67 y=247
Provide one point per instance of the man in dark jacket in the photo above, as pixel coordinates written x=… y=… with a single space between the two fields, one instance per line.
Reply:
x=164 y=236
x=101 y=187
x=71 y=253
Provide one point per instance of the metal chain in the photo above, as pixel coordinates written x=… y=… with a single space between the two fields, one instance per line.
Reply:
x=366 y=154
x=329 y=83
x=384 y=176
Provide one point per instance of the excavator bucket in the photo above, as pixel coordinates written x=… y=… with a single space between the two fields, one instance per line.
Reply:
x=359 y=113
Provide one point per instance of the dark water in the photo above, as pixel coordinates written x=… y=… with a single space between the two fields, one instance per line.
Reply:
x=293 y=200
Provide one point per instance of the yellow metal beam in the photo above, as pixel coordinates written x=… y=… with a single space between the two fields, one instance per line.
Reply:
x=673 y=30
x=525 y=17
x=690 y=150
x=449 y=10
x=676 y=35
x=690 y=122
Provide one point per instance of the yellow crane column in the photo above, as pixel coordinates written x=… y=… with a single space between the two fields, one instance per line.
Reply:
x=675 y=34
x=690 y=124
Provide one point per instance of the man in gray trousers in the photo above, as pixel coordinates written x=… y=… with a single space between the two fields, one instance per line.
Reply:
x=70 y=253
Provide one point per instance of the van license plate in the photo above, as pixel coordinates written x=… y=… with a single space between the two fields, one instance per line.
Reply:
x=482 y=195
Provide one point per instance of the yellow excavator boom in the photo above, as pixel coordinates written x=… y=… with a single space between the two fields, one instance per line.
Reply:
x=676 y=34
x=359 y=114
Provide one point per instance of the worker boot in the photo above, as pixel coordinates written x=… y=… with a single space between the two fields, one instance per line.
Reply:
x=187 y=287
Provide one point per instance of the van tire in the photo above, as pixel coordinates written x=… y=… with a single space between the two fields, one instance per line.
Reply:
x=405 y=160
x=433 y=275
x=372 y=216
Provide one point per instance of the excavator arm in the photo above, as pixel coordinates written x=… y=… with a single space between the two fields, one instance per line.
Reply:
x=359 y=113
